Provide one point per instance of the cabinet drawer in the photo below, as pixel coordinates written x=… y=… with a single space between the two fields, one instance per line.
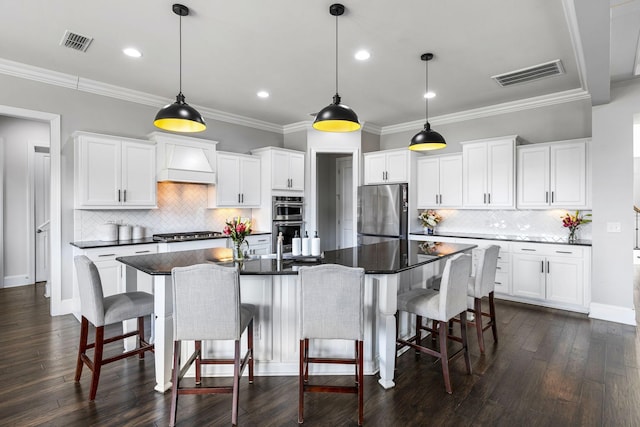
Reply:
x=548 y=249
x=112 y=252
x=503 y=267
x=502 y=282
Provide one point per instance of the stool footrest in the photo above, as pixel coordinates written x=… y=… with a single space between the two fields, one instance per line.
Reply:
x=330 y=388
x=341 y=361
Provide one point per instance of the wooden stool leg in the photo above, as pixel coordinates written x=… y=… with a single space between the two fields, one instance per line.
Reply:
x=250 y=347
x=444 y=358
x=175 y=379
x=360 y=368
x=82 y=348
x=141 y=336
x=477 y=306
x=236 y=384
x=418 y=332
x=97 y=361
x=198 y=348
x=301 y=382
x=465 y=342
x=492 y=312
x=434 y=328
x=306 y=357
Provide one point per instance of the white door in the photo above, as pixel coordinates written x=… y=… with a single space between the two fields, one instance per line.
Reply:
x=429 y=182
x=280 y=170
x=529 y=276
x=344 y=202
x=568 y=175
x=138 y=174
x=375 y=168
x=228 y=184
x=533 y=177
x=250 y=177
x=474 y=175
x=450 y=180
x=42 y=168
x=1 y=213
x=398 y=166
x=500 y=176
x=296 y=171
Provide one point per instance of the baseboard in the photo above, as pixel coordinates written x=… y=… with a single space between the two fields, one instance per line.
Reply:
x=15 y=281
x=613 y=313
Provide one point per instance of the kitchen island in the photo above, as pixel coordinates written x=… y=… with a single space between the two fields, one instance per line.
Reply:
x=271 y=285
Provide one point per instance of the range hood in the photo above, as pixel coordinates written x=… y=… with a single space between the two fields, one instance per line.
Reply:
x=184 y=159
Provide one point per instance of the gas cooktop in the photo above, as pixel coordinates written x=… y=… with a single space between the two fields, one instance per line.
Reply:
x=184 y=237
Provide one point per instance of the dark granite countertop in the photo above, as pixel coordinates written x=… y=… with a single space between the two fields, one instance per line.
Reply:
x=380 y=258
x=93 y=244
x=505 y=237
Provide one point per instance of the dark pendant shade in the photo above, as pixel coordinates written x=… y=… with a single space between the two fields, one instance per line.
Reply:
x=336 y=117
x=427 y=139
x=179 y=117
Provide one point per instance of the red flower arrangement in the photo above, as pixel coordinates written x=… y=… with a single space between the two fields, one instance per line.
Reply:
x=572 y=222
x=238 y=230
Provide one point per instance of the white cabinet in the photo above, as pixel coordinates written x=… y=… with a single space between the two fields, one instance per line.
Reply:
x=259 y=244
x=553 y=175
x=238 y=181
x=555 y=273
x=439 y=181
x=111 y=271
x=387 y=166
x=488 y=173
x=282 y=169
x=113 y=172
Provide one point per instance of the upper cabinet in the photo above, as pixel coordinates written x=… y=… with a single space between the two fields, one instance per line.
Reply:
x=488 y=173
x=284 y=167
x=113 y=172
x=439 y=181
x=553 y=175
x=388 y=166
x=238 y=182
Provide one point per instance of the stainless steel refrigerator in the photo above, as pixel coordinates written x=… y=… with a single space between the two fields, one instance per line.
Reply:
x=382 y=212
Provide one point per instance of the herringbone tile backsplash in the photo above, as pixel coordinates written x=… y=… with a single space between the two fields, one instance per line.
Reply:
x=181 y=208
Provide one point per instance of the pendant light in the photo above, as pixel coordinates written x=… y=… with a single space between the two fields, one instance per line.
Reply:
x=336 y=117
x=427 y=139
x=180 y=116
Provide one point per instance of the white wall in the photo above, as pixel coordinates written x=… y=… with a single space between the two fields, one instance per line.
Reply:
x=17 y=134
x=612 y=148
x=94 y=113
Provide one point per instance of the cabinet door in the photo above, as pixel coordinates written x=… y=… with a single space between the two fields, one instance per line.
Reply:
x=375 y=168
x=280 y=170
x=450 y=180
x=565 y=280
x=259 y=245
x=138 y=174
x=474 y=175
x=500 y=174
x=228 y=184
x=250 y=179
x=428 y=182
x=398 y=166
x=533 y=177
x=568 y=175
x=99 y=171
x=528 y=276
x=296 y=171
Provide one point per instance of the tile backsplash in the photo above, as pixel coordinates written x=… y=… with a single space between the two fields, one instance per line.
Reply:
x=181 y=207
x=539 y=223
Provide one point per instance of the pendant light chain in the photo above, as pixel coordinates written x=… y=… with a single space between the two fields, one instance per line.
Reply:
x=180 y=54
x=336 y=54
x=426 y=95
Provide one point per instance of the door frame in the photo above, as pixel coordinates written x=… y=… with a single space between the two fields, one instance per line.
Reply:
x=340 y=163
x=36 y=149
x=56 y=306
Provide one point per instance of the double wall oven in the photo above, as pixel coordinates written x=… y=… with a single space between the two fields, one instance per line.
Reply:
x=288 y=219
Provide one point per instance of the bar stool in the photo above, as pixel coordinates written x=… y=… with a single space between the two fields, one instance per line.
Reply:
x=101 y=311
x=331 y=299
x=440 y=306
x=207 y=306
x=481 y=285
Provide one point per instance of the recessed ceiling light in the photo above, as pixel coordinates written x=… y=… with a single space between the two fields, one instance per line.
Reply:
x=132 y=52
x=362 y=55
x=263 y=94
x=429 y=95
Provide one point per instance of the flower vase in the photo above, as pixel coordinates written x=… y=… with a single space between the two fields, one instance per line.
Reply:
x=429 y=230
x=238 y=253
x=573 y=235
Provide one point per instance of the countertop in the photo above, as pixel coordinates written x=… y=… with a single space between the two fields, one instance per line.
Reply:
x=93 y=244
x=379 y=258
x=505 y=237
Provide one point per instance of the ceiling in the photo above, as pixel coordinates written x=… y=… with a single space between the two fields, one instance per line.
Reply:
x=233 y=49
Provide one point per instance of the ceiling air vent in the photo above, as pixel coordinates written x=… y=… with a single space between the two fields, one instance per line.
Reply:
x=75 y=41
x=540 y=71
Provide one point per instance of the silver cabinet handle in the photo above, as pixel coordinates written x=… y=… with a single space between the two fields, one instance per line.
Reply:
x=553 y=196
x=546 y=197
x=489 y=197
x=548 y=269
x=238 y=197
x=105 y=255
x=530 y=250
x=564 y=252
x=119 y=196
x=242 y=196
x=125 y=196
x=440 y=198
x=142 y=252
x=484 y=198
x=542 y=266
x=436 y=199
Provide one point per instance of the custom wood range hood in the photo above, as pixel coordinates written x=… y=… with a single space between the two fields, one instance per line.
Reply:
x=184 y=159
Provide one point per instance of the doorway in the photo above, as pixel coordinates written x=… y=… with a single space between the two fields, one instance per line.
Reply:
x=334 y=201
x=40 y=172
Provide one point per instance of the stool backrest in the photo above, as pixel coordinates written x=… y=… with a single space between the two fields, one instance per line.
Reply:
x=90 y=288
x=485 y=263
x=331 y=301
x=453 y=287
x=206 y=303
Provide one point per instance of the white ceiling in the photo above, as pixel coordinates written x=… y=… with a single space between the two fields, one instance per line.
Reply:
x=233 y=49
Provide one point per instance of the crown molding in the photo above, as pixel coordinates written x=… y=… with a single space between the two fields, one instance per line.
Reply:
x=43 y=75
x=296 y=127
x=371 y=128
x=493 y=110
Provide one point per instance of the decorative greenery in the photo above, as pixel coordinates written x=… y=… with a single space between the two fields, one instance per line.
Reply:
x=429 y=218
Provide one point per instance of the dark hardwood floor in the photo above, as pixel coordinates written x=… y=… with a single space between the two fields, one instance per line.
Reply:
x=551 y=368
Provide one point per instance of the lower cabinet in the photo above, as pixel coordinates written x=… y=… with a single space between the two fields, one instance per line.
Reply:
x=112 y=271
x=259 y=244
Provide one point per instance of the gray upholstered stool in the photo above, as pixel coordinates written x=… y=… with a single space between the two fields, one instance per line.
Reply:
x=481 y=285
x=331 y=299
x=102 y=311
x=207 y=306
x=441 y=306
